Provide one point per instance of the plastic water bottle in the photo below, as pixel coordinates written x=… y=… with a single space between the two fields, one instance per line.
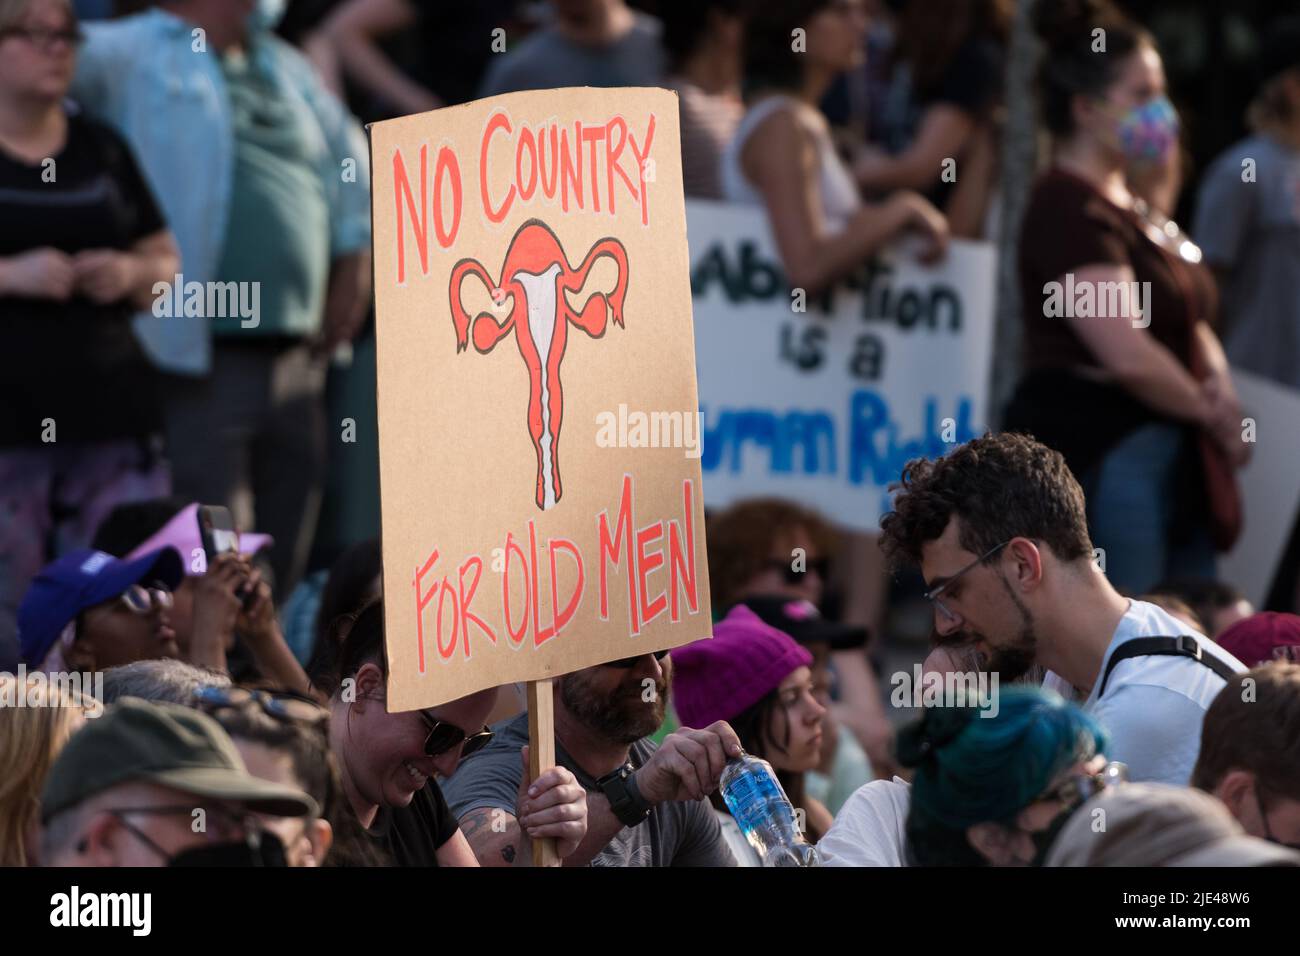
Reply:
x=763 y=812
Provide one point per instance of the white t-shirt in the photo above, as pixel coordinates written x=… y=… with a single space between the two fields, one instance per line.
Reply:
x=1154 y=705
x=870 y=828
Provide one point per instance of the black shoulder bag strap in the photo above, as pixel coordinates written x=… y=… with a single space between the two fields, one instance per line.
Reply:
x=1182 y=646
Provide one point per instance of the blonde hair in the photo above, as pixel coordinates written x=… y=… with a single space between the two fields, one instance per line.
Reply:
x=30 y=738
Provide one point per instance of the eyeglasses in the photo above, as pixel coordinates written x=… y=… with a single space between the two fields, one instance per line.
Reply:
x=1268 y=830
x=44 y=39
x=793 y=575
x=222 y=820
x=1079 y=788
x=627 y=663
x=933 y=593
x=282 y=706
x=444 y=736
x=139 y=599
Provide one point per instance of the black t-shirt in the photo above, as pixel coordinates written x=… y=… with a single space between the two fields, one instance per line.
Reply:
x=411 y=835
x=75 y=362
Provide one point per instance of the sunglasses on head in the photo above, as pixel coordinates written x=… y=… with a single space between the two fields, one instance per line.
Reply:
x=284 y=707
x=794 y=575
x=627 y=663
x=444 y=736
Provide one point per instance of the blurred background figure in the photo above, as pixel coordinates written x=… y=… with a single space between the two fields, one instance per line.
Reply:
x=409 y=56
x=704 y=42
x=783 y=156
x=82 y=243
x=283 y=214
x=1248 y=224
x=1141 y=404
x=775 y=556
x=1217 y=604
x=941 y=107
x=586 y=43
x=30 y=738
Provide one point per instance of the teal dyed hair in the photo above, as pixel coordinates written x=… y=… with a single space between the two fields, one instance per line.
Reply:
x=972 y=769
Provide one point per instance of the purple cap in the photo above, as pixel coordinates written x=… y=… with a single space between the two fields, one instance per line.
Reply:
x=718 y=678
x=1257 y=639
x=82 y=579
x=182 y=533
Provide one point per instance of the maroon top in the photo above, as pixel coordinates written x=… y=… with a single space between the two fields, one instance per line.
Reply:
x=1070 y=225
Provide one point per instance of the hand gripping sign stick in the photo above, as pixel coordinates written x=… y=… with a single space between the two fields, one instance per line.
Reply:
x=537 y=275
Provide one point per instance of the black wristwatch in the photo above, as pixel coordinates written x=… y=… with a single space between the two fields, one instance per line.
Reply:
x=625 y=799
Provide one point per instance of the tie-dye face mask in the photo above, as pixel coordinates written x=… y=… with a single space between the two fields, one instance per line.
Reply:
x=1148 y=133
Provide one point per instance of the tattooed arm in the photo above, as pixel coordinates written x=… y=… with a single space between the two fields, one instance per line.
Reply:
x=494 y=836
x=553 y=806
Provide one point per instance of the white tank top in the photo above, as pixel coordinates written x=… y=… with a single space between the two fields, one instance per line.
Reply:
x=838 y=192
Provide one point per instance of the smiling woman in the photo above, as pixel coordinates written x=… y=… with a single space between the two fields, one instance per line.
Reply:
x=389 y=761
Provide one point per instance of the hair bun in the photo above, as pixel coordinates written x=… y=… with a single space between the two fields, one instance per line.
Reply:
x=920 y=740
x=1062 y=24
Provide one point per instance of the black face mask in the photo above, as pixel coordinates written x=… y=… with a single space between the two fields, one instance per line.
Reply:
x=266 y=851
x=1044 y=838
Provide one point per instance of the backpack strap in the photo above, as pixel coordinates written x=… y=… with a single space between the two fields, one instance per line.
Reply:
x=1182 y=646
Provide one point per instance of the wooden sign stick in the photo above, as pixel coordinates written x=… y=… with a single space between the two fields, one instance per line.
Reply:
x=541 y=754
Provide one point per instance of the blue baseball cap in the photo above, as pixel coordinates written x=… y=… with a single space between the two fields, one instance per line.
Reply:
x=82 y=579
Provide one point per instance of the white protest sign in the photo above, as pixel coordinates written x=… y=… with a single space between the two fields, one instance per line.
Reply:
x=1270 y=484
x=827 y=404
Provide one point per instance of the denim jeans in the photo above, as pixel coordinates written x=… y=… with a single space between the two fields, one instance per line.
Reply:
x=1147 y=510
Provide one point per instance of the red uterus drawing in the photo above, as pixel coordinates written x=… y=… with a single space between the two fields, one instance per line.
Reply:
x=537 y=275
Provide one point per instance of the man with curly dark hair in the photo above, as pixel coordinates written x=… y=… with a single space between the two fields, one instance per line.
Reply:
x=999 y=531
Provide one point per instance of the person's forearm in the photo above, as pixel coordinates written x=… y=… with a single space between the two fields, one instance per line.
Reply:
x=274 y=659
x=602 y=826
x=370 y=69
x=829 y=258
x=1210 y=350
x=154 y=260
x=908 y=170
x=1159 y=381
x=208 y=648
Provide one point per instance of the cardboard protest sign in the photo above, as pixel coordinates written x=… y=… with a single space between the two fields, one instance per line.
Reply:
x=538 y=429
x=823 y=400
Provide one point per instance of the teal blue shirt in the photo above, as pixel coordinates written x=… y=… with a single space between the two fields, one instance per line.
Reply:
x=151 y=78
x=277 y=227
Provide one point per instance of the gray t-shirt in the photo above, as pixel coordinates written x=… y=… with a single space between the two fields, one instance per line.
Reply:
x=548 y=59
x=681 y=833
x=1251 y=231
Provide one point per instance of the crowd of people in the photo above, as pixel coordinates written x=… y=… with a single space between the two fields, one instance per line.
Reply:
x=233 y=709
